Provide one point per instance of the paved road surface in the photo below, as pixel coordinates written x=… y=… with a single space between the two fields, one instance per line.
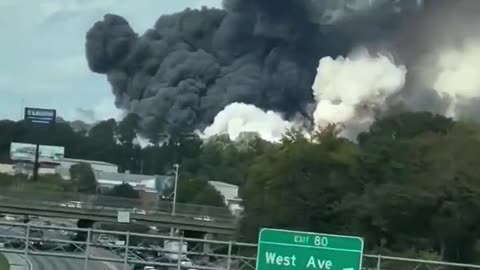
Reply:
x=38 y=262
x=56 y=263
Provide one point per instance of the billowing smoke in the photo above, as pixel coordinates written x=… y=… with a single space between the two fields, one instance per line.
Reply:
x=185 y=71
x=238 y=117
x=194 y=63
x=441 y=48
x=187 y=68
x=351 y=90
x=459 y=76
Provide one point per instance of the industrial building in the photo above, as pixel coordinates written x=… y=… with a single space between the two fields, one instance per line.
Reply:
x=96 y=165
x=230 y=195
x=63 y=166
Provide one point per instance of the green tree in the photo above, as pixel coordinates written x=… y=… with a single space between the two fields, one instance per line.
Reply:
x=404 y=126
x=198 y=191
x=420 y=190
x=451 y=172
x=304 y=179
x=127 y=129
x=155 y=131
x=8 y=135
x=82 y=174
x=223 y=160
x=104 y=132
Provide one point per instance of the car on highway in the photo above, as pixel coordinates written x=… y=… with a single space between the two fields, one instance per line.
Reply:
x=143 y=267
x=204 y=218
x=104 y=239
x=139 y=211
x=185 y=264
x=72 y=204
x=36 y=238
x=10 y=218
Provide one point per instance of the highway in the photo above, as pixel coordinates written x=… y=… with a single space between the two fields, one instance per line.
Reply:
x=51 y=247
x=37 y=262
x=41 y=262
x=57 y=263
x=99 y=209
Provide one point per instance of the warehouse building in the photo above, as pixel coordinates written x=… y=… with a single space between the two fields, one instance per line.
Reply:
x=230 y=195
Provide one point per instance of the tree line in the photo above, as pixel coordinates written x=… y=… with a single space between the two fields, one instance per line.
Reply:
x=410 y=185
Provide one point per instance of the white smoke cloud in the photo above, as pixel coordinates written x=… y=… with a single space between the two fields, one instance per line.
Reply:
x=458 y=74
x=239 y=117
x=329 y=112
x=348 y=89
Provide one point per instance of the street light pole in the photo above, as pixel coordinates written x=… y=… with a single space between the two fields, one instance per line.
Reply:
x=176 y=166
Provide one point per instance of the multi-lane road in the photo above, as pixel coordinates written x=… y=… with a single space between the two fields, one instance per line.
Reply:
x=41 y=262
x=57 y=263
x=36 y=262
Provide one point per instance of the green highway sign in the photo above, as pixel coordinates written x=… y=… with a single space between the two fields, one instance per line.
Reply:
x=281 y=249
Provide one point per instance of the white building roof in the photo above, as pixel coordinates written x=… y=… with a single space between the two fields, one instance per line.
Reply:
x=230 y=195
x=146 y=183
x=221 y=184
x=73 y=160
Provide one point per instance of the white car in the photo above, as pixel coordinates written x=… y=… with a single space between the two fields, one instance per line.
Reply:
x=72 y=204
x=187 y=263
x=204 y=218
x=10 y=218
x=139 y=211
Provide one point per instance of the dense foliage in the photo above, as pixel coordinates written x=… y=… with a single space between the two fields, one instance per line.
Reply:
x=82 y=175
x=410 y=185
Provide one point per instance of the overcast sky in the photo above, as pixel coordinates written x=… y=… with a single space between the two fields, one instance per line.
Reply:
x=42 y=53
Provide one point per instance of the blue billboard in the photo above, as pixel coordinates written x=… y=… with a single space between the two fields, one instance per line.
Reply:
x=40 y=116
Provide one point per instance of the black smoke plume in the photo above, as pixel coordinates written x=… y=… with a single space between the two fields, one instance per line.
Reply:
x=185 y=69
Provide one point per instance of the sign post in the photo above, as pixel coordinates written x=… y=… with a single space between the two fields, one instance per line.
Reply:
x=41 y=117
x=281 y=249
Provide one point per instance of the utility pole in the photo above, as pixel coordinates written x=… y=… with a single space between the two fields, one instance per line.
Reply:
x=176 y=166
x=36 y=164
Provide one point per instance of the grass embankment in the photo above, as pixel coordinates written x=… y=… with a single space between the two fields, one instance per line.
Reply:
x=4 y=263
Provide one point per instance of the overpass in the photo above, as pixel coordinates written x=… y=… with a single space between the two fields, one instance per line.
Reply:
x=216 y=220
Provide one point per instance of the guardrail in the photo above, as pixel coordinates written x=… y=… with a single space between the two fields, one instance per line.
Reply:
x=125 y=250
x=130 y=250
x=109 y=202
x=96 y=202
x=182 y=222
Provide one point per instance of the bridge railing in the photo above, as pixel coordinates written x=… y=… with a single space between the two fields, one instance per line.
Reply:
x=124 y=248
x=134 y=249
x=101 y=202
